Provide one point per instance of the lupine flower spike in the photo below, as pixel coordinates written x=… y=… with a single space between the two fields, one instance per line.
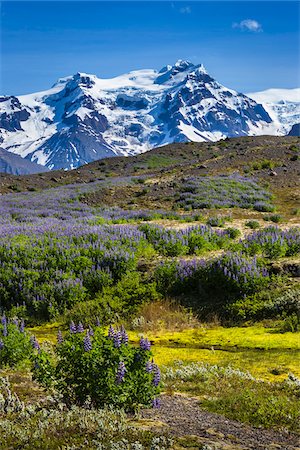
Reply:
x=80 y=328
x=121 y=372
x=59 y=337
x=73 y=328
x=145 y=344
x=87 y=342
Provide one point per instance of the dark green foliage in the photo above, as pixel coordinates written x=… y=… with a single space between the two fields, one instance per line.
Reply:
x=107 y=371
x=253 y=224
x=276 y=218
x=15 y=346
x=116 y=302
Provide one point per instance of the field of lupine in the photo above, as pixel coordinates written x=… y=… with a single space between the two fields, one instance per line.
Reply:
x=86 y=272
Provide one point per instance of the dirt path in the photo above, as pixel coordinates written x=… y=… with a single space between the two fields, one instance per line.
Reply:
x=181 y=416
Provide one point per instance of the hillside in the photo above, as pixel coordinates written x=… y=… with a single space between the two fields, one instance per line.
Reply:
x=272 y=160
x=168 y=284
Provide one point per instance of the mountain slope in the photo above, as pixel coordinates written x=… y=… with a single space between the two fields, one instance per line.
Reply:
x=83 y=118
x=283 y=105
x=16 y=165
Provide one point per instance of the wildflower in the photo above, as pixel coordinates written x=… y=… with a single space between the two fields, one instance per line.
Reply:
x=73 y=328
x=117 y=339
x=91 y=331
x=80 y=328
x=1 y=345
x=145 y=344
x=156 y=379
x=87 y=342
x=98 y=322
x=35 y=343
x=156 y=403
x=121 y=372
x=124 y=335
x=111 y=332
x=22 y=326
x=3 y=320
x=59 y=337
x=149 y=366
x=4 y=331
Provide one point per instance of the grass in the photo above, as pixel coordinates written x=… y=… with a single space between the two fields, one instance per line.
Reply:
x=265 y=365
x=237 y=395
x=252 y=337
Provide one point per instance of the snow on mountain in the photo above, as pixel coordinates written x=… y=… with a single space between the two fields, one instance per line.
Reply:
x=83 y=118
x=283 y=105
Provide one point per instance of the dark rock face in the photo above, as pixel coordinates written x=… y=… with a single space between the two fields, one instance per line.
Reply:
x=12 y=121
x=295 y=130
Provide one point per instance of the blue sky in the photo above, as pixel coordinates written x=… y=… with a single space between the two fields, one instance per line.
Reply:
x=246 y=45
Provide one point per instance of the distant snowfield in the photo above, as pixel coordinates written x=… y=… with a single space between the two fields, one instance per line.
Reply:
x=276 y=95
x=83 y=118
x=283 y=105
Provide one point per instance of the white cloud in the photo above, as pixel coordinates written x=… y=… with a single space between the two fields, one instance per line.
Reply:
x=185 y=10
x=248 y=25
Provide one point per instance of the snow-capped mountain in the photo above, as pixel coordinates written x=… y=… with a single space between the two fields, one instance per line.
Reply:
x=283 y=106
x=83 y=118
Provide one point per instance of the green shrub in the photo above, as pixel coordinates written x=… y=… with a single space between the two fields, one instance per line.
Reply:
x=276 y=218
x=216 y=221
x=102 y=369
x=116 y=302
x=253 y=224
x=15 y=344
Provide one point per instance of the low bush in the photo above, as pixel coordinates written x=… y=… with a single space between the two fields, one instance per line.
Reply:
x=102 y=369
x=210 y=286
x=15 y=343
x=116 y=302
x=253 y=224
x=276 y=218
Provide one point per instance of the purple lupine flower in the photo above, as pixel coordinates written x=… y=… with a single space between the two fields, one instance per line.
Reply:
x=35 y=343
x=149 y=366
x=3 y=320
x=4 y=331
x=91 y=331
x=111 y=332
x=59 y=337
x=156 y=403
x=87 y=342
x=22 y=326
x=121 y=372
x=145 y=344
x=98 y=324
x=80 y=328
x=117 y=339
x=156 y=379
x=1 y=344
x=73 y=328
x=124 y=335
x=16 y=322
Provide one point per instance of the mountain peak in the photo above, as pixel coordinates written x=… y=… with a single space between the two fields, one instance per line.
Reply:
x=183 y=64
x=167 y=73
